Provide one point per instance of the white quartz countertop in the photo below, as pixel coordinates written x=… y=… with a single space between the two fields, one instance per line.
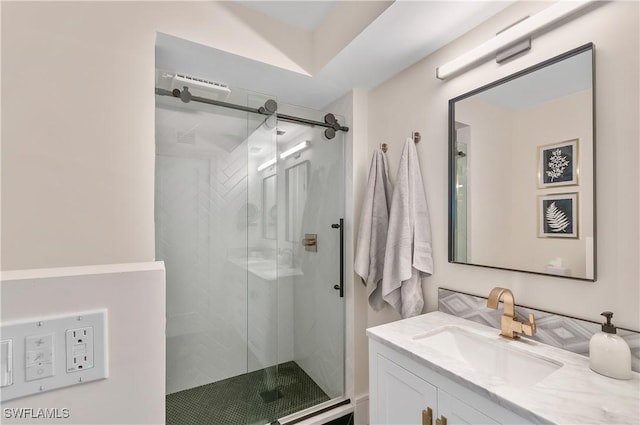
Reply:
x=573 y=394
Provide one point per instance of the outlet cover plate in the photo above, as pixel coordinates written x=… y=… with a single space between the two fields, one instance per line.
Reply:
x=54 y=329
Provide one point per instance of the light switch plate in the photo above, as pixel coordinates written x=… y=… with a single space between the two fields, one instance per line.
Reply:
x=39 y=352
x=39 y=356
x=6 y=363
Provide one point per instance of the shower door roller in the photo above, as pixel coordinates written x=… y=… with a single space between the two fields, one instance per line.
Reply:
x=340 y=286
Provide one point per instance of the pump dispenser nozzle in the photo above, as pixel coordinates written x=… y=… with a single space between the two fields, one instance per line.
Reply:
x=608 y=327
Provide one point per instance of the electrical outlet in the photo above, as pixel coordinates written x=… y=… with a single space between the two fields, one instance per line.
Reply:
x=41 y=354
x=79 y=349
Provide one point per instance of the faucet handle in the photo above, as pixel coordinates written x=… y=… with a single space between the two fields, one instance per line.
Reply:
x=532 y=324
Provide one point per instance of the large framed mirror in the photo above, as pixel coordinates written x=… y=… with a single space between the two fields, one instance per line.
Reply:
x=522 y=170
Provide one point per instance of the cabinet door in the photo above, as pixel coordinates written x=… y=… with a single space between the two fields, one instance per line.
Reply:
x=456 y=412
x=402 y=396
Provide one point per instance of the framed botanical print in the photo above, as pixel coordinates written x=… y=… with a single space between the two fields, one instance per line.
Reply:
x=558 y=164
x=558 y=215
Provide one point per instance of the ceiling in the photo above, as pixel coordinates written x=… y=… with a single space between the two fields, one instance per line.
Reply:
x=404 y=33
x=306 y=15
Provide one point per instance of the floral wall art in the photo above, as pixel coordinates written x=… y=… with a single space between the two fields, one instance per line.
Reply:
x=558 y=164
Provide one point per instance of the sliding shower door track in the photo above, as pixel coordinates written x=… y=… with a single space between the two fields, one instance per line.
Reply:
x=299 y=417
x=270 y=107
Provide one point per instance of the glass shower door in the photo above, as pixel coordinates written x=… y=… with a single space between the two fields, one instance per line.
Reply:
x=319 y=306
x=310 y=204
x=255 y=327
x=206 y=213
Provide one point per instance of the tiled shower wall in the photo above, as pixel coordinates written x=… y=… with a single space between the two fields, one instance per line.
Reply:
x=554 y=329
x=196 y=204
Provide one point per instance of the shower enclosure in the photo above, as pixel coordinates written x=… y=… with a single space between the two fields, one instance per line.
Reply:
x=248 y=208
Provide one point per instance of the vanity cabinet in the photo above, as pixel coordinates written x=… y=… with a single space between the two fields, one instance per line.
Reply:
x=457 y=412
x=401 y=395
x=402 y=391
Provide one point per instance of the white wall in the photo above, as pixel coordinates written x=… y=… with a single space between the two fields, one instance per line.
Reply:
x=415 y=100
x=78 y=114
x=134 y=296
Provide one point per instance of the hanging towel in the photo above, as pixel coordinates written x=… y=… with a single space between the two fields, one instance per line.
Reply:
x=408 y=251
x=374 y=222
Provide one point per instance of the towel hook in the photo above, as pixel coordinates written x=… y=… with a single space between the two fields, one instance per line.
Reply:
x=415 y=136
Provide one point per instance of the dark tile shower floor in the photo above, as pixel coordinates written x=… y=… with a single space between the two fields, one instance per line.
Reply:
x=245 y=399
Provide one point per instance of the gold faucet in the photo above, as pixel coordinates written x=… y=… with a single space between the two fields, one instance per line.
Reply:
x=510 y=327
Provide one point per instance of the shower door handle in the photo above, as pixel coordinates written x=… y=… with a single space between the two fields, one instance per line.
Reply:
x=340 y=286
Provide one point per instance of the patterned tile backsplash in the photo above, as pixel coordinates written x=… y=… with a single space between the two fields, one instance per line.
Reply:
x=554 y=329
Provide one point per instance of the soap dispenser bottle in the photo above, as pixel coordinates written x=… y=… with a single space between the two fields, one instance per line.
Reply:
x=609 y=354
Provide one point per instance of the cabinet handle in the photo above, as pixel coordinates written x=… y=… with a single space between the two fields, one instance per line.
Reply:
x=442 y=420
x=427 y=416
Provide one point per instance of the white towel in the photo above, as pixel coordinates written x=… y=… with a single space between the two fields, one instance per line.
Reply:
x=408 y=252
x=374 y=222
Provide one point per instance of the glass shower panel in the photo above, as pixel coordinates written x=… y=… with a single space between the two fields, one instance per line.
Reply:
x=310 y=311
x=262 y=301
x=200 y=187
x=205 y=217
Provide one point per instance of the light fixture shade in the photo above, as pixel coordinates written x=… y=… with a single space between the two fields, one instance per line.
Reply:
x=267 y=164
x=296 y=148
x=512 y=35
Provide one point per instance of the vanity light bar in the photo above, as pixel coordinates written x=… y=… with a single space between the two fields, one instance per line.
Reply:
x=267 y=164
x=512 y=35
x=296 y=148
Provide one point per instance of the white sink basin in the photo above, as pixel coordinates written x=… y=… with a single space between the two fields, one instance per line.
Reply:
x=496 y=358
